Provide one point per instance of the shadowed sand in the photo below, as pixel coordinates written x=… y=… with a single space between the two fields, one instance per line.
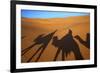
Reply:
x=31 y=28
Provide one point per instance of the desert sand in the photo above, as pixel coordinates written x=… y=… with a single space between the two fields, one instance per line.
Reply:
x=31 y=28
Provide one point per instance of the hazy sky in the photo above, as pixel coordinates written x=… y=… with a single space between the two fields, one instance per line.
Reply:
x=49 y=14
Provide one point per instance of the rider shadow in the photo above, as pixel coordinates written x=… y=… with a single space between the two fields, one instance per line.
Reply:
x=86 y=43
x=67 y=44
x=40 y=40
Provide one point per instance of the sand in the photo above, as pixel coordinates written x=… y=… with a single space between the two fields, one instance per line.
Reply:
x=31 y=28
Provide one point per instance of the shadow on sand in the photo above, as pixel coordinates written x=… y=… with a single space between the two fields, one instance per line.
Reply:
x=40 y=40
x=66 y=44
x=23 y=37
x=86 y=43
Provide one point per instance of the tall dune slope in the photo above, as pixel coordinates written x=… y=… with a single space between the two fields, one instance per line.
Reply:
x=31 y=28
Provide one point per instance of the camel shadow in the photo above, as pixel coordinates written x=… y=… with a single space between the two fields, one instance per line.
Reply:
x=42 y=40
x=38 y=40
x=66 y=44
x=86 y=43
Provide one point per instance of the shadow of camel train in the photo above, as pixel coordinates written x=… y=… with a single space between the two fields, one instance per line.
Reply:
x=66 y=44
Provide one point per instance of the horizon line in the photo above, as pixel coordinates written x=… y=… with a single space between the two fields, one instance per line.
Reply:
x=54 y=17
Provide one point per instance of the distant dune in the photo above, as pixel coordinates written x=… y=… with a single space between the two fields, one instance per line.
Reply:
x=56 y=21
x=31 y=28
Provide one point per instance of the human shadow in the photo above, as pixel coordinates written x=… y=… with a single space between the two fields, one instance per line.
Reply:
x=66 y=44
x=40 y=40
x=86 y=43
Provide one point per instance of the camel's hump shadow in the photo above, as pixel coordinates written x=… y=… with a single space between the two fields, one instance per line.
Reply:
x=67 y=44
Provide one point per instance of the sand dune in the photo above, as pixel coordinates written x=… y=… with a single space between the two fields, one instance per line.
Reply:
x=31 y=28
